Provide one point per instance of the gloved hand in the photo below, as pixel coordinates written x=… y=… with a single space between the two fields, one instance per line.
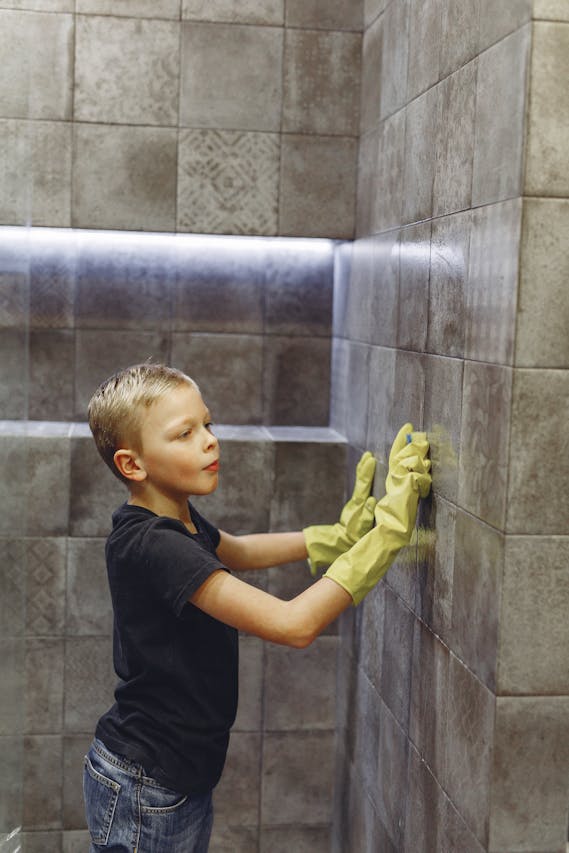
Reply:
x=326 y=542
x=359 y=569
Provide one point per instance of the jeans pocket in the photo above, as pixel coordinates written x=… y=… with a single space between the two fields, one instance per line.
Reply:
x=154 y=799
x=101 y=795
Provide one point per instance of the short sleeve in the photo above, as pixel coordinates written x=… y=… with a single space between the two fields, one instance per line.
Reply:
x=174 y=563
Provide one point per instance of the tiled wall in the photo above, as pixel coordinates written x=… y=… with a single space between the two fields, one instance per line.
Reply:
x=451 y=310
x=276 y=792
x=249 y=319
x=181 y=115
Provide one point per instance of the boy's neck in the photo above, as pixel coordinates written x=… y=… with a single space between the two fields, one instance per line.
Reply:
x=162 y=505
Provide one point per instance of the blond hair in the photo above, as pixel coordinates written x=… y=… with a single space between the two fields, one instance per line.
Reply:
x=116 y=406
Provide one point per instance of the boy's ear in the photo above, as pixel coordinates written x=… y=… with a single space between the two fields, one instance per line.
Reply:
x=127 y=463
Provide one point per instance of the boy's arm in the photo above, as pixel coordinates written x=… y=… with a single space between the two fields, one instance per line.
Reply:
x=260 y=550
x=291 y=623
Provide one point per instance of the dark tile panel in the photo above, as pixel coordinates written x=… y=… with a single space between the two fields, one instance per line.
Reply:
x=442 y=422
x=448 y=285
x=89 y=682
x=44 y=686
x=95 y=491
x=42 y=802
x=88 y=605
x=236 y=798
x=51 y=375
x=395 y=685
x=296 y=381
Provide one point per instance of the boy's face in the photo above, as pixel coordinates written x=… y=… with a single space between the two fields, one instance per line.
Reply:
x=179 y=453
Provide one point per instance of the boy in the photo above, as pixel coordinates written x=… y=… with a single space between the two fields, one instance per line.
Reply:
x=159 y=750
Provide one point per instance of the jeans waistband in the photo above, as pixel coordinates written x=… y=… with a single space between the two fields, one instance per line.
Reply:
x=123 y=763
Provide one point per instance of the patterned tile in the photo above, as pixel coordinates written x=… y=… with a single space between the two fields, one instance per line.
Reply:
x=228 y=182
x=13 y=585
x=45 y=586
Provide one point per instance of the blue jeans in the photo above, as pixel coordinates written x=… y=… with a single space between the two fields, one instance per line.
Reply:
x=129 y=812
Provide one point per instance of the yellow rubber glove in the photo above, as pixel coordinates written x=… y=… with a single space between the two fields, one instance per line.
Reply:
x=360 y=568
x=325 y=542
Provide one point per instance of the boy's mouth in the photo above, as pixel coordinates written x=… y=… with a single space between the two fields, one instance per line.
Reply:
x=213 y=467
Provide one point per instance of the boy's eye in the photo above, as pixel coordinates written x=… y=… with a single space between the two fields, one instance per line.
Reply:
x=185 y=434
x=209 y=425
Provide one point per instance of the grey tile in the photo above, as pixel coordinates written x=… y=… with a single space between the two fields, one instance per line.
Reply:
x=42 y=803
x=44 y=686
x=301 y=839
x=242 y=462
x=393 y=777
x=52 y=374
x=88 y=604
x=14 y=288
x=486 y=402
x=452 y=188
x=529 y=778
x=217 y=87
x=380 y=327
x=395 y=684
x=124 y=177
x=126 y=71
x=48 y=473
x=93 y=496
x=442 y=421
x=40 y=5
x=38 y=62
x=318 y=178
x=470 y=733
x=493 y=282
x=126 y=286
x=552 y=10
x=394 y=58
x=13 y=346
x=448 y=284
x=297 y=778
x=296 y=381
x=371 y=647
x=543 y=303
x=228 y=182
x=235 y=11
x=423 y=121
x=477 y=582
x=131 y=8
x=13 y=586
x=459 y=36
x=233 y=839
x=251 y=686
x=425 y=803
x=367 y=731
x=74 y=749
x=228 y=369
x=367 y=188
x=45 y=586
x=53 y=268
x=372 y=8
x=11 y=782
x=41 y=150
x=372 y=48
x=321 y=82
x=42 y=842
x=76 y=840
x=436 y=532
x=12 y=659
x=429 y=695
x=89 y=682
x=387 y=212
x=227 y=273
x=15 y=486
x=326 y=15
x=500 y=117
x=408 y=406
x=298 y=288
x=414 y=266
x=300 y=687
x=296 y=503
x=350 y=391
x=101 y=352
x=381 y=394
x=547 y=173
x=534 y=636
x=236 y=798
x=537 y=498
x=498 y=18
x=425 y=22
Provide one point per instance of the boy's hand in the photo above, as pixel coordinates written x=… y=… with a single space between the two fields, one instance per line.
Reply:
x=359 y=569
x=325 y=543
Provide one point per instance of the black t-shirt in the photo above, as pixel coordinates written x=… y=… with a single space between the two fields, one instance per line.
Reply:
x=177 y=695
